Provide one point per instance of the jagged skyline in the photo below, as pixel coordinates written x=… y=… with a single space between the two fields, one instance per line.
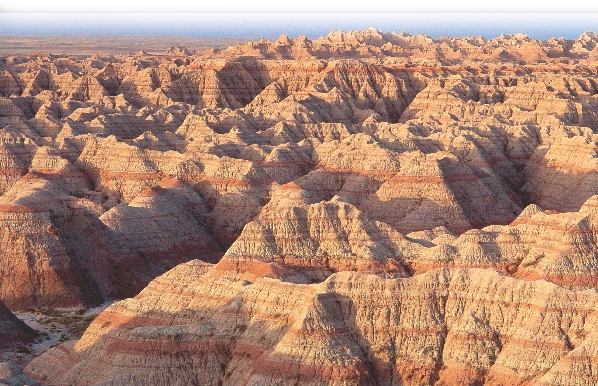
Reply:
x=313 y=25
x=363 y=209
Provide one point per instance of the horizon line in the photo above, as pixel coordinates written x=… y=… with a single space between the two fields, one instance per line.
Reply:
x=539 y=26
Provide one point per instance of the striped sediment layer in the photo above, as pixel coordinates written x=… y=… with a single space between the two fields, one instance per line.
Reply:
x=389 y=208
x=447 y=325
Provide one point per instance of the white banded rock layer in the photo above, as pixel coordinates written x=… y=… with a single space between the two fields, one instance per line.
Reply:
x=454 y=326
x=362 y=208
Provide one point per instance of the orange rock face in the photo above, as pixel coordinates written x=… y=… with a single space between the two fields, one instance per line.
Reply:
x=453 y=326
x=366 y=208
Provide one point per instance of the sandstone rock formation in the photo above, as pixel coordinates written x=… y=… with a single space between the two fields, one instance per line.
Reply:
x=362 y=208
x=447 y=326
x=313 y=240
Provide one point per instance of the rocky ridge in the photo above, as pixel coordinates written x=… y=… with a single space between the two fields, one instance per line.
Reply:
x=363 y=208
x=447 y=326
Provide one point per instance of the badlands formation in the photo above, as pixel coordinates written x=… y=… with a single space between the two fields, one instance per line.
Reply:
x=366 y=208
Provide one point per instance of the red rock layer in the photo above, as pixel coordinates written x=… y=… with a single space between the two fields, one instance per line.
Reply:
x=299 y=160
x=454 y=326
x=313 y=240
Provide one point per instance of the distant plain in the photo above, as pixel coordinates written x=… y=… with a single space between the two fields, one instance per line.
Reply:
x=82 y=45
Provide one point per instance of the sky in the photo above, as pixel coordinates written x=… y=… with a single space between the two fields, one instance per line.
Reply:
x=566 y=19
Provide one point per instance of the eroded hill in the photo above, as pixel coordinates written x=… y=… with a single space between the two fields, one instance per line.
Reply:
x=364 y=208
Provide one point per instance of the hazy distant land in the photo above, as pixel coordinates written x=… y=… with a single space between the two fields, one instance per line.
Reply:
x=87 y=45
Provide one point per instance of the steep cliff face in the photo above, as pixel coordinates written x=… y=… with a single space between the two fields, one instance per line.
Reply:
x=162 y=227
x=313 y=240
x=363 y=208
x=54 y=250
x=254 y=318
x=60 y=249
x=562 y=176
x=454 y=326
